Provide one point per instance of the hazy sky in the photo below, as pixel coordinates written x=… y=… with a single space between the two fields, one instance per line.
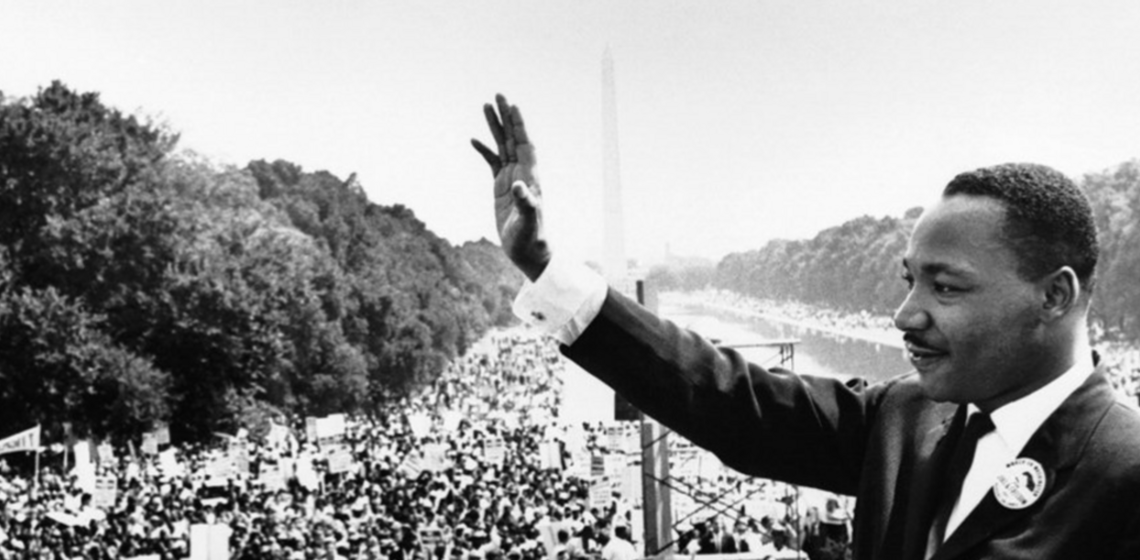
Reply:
x=739 y=121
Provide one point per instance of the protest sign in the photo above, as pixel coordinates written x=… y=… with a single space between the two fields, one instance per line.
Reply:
x=209 y=542
x=278 y=437
x=331 y=427
x=412 y=465
x=238 y=453
x=435 y=457
x=630 y=486
x=420 y=424
x=168 y=463
x=270 y=476
x=106 y=492
x=431 y=537
x=162 y=434
x=27 y=440
x=601 y=493
x=615 y=437
x=613 y=465
x=105 y=453
x=341 y=460
x=84 y=469
x=494 y=451
x=550 y=455
x=149 y=443
x=311 y=428
x=219 y=467
x=597 y=465
x=580 y=464
x=306 y=474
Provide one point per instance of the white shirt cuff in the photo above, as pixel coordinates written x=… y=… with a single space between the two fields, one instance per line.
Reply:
x=563 y=301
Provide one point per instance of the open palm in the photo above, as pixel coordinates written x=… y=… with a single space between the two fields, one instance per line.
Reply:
x=518 y=198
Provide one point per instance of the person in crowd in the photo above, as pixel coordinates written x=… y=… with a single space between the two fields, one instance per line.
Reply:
x=782 y=548
x=706 y=537
x=740 y=534
x=618 y=545
x=1000 y=271
x=753 y=538
x=833 y=522
x=811 y=537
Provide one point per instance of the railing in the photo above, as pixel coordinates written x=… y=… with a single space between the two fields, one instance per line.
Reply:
x=658 y=485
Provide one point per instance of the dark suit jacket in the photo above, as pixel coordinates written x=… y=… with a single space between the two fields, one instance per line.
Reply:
x=880 y=443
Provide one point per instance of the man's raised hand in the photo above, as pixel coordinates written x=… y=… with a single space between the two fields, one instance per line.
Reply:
x=518 y=198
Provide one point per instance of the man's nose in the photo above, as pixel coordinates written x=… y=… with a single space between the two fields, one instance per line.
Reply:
x=911 y=315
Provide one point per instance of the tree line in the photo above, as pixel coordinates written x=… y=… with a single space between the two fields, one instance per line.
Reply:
x=857 y=266
x=140 y=285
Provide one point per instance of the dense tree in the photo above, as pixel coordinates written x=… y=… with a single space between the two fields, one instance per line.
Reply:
x=65 y=154
x=86 y=237
x=854 y=266
x=412 y=301
x=498 y=278
x=56 y=364
x=138 y=285
x=1115 y=195
x=691 y=274
x=262 y=298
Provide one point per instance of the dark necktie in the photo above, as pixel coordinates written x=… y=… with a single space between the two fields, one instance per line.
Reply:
x=978 y=425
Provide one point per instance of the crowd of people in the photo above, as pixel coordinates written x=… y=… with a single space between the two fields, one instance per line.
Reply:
x=816 y=316
x=476 y=467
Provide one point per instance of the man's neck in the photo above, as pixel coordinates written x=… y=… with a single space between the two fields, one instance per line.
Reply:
x=1057 y=356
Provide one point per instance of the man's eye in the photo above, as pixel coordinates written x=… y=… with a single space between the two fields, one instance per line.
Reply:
x=944 y=288
x=908 y=279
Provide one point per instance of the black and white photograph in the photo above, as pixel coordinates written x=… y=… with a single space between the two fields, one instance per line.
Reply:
x=569 y=280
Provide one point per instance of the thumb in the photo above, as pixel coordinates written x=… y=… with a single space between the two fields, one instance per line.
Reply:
x=525 y=199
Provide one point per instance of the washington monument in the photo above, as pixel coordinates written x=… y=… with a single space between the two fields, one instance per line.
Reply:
x=613 y=228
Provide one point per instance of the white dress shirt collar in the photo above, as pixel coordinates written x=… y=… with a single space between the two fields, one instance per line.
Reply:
x=1017 y=421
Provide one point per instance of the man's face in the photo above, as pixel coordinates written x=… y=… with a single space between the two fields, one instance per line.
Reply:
x=971 y=323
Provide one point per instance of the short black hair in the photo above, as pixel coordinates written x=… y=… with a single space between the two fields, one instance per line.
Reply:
x=1048 y=220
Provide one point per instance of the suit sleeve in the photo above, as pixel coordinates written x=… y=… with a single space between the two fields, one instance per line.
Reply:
x=763 y=422
x=1128 y=547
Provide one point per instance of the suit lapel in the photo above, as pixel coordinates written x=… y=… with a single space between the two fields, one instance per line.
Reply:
x=1056 y=445
x=913 y=520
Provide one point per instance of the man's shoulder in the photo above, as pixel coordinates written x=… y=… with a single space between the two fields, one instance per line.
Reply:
x=901 y=393
x=901 y=412
x=1120 y=427
x=1116 y=418
x=1097 y=430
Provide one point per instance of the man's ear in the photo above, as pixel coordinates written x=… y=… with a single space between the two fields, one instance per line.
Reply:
x=1062 y=292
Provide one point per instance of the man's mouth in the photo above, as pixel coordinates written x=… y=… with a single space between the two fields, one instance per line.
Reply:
x=922 y=355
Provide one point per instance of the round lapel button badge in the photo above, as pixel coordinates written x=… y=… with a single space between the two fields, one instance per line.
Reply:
x=1020 y=484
